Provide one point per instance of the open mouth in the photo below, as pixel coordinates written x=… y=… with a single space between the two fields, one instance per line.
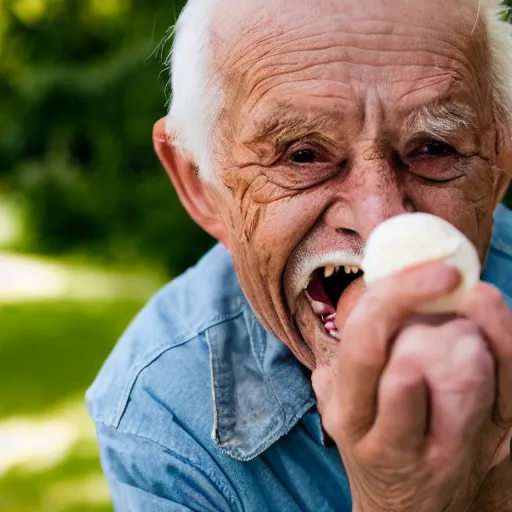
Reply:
x=324 y=290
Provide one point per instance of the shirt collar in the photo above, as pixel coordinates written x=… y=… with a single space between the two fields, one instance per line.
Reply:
x=260 y=390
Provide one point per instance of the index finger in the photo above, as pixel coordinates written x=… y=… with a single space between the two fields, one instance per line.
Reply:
x=369 y=330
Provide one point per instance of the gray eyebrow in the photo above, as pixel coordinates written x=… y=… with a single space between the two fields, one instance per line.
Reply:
x=441 y=120
x=285 y=123
x=437 y=120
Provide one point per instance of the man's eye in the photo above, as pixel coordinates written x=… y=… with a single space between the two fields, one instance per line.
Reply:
x=303 y=156
x=436 y=148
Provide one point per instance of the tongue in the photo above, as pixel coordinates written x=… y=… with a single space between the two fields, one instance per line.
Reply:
x=351 y=294
x=316 y=291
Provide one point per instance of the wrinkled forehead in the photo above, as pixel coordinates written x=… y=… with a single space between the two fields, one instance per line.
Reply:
x=239 y=22
x=234 y=18
x=248 y=34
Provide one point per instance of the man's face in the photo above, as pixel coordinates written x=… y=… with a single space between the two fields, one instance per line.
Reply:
x=339 y=115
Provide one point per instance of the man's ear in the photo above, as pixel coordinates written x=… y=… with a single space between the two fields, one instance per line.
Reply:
x=192 y=191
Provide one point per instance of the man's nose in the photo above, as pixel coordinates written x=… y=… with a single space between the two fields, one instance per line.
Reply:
x=370 y=195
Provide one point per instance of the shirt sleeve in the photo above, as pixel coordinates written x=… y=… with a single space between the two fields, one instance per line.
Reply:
x=144 y=476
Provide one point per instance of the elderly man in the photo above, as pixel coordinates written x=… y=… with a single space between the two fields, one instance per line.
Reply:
x=266 y=378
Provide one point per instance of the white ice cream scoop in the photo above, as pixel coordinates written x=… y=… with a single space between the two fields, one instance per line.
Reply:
x=412 y=238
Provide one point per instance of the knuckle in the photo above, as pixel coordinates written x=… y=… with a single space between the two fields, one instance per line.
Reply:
x=468 y=367
x=332 y=421
x=462 y=327
x=389 y=296
x=491 y=296
x=402 y=377
x=412 y=341
x=444 y=459
x=473 y=350
x=485 y=296
x=473 y=361
x=464 y=341
x=470 y=343
x=371 y=453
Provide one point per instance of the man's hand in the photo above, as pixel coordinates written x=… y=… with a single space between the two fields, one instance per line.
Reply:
x=495 y=494
x=413 y=404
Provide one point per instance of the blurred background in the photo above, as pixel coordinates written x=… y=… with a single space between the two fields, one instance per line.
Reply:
x=89 y=226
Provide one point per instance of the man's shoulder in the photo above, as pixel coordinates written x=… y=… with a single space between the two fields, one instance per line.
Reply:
x=502 y=234
x=498 y=270
x=165 y=347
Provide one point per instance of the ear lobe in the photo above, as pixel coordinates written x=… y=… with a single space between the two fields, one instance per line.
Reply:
x=191 y=190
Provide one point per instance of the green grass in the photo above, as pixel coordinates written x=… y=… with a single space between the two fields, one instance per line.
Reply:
x=51 y=351
x=49 y=354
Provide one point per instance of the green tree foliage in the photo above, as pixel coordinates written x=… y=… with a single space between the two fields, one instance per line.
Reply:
x=507 y=11
x=81 y=83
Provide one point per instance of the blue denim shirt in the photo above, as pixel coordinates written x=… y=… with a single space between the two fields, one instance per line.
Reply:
x=200 y=408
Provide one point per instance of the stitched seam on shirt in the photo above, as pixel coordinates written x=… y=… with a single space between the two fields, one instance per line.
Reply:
x=235 y=310
x=230 y=494
x=217 y=320
x=214 y=394
x=156 y=353
x=134 y=374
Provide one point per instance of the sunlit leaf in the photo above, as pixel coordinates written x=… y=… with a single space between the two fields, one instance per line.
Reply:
x=109 y=8
x=29 y=11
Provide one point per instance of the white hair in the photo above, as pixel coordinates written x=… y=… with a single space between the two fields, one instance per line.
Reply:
x=500 y=49
x=196 y=91
x=197 y=96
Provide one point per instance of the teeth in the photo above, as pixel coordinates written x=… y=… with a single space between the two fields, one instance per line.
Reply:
x=334 y=334
x=329 y=270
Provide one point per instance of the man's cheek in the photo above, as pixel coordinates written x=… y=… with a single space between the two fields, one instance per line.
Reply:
x=450 y=203
x=476 y=206
x=479 y=183
x=251 y=221
x=317 y=343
